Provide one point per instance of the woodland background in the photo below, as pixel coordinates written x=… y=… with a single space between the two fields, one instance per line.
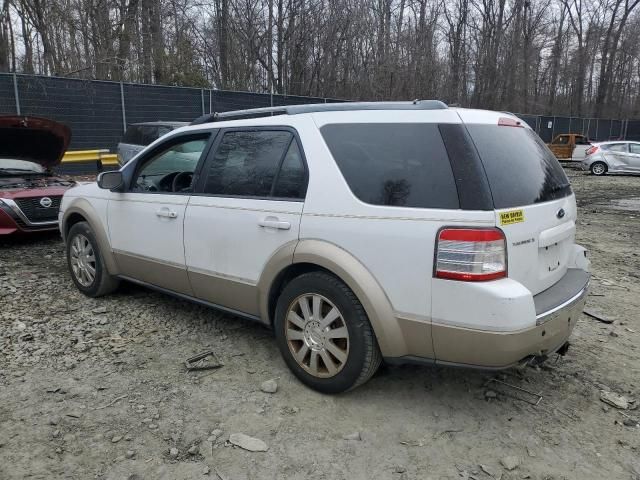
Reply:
x=560 y=57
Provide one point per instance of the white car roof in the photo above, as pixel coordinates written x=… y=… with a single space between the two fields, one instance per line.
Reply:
x=366 y=112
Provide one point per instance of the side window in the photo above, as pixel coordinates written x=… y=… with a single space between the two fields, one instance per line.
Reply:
x=246 y=162
x=148 y=135
x=292 y=178
x=402 y=164
x=617 y=147
x=133 y=135
x=582 y=141
x=163 y=130
x=562 y=140
x=634 y=148
x=170 y=170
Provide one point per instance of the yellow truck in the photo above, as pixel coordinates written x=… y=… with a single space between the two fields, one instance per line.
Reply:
x=569 y=146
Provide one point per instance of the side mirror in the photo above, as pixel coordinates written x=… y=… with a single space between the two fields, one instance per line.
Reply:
x=111 y=181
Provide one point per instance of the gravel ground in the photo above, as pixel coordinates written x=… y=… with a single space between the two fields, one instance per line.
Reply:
x=98 y=388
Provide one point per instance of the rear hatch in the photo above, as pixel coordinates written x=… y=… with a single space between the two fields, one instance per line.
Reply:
x=534 y=204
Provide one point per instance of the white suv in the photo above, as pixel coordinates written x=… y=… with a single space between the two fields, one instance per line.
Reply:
x=409 y=232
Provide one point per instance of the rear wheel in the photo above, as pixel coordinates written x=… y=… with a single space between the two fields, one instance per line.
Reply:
x=85 y=262
x=324 y=334
x=598 y=168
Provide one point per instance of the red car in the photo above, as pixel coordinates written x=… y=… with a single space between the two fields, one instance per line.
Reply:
x=30 y=193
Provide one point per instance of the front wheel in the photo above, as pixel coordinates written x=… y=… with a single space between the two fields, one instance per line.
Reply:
x=324 y=334
x=598 y=168
x=85 y=262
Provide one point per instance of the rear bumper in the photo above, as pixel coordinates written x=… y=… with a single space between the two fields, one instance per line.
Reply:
x=510 y=325
x=557 y=311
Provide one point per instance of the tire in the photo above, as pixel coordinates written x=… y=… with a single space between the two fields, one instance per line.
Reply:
x=598 y=168
x=81 y=266
x=345 y=350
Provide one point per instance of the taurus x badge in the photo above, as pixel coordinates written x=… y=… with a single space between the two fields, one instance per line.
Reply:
x=560 y=213
x=46 y=202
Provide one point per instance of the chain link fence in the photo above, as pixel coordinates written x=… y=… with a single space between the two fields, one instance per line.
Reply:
x=99 y=111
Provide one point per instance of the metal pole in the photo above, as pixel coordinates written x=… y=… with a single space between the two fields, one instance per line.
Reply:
x=124 y=113
x=210 y=100
x=610 y=129
x=15 y=93
x=202 y=98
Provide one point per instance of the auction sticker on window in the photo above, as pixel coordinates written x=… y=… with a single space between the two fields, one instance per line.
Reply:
x=512 y=216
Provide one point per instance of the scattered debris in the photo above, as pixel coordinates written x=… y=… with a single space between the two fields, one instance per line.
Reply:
x=116 y=439
x=510 y=462
x=599 y=317
x=248 y=443
x=130 y=454
x=215 y=434
x=269 y=386
x=618 y=401
x=399 y=469
x=194 y=450
x=490 y=395
x=197 y=362
x=113 y=402
x=173 y=452
x=490 y=471
x=537 y=398
x=352 y=436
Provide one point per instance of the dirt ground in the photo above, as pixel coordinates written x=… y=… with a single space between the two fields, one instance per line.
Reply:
x=98 y=388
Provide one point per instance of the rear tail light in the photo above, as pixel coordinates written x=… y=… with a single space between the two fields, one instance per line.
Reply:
x=471 y=254
x=591 y=150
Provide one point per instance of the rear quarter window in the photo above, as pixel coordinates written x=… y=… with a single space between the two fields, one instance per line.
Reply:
x=133 y=135
x=403 y=165
x=520 y=168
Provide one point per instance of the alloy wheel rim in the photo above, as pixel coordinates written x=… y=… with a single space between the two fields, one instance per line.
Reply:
x=317 y=335
x=598 y=169
x=83 y=260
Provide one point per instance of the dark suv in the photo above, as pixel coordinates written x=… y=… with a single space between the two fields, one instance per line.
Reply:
x=139 y=135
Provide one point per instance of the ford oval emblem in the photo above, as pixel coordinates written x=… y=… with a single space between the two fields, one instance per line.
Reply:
x=560 y=213
x=46 y=202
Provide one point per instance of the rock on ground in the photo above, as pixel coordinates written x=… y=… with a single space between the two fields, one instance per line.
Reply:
x=269 y=386
x=248 y=443
x=510 y=462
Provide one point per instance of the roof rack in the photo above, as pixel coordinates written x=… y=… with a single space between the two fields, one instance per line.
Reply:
x=320 y=107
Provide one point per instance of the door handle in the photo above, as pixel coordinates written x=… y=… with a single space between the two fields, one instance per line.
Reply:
x=273 y=222
x=166 y=213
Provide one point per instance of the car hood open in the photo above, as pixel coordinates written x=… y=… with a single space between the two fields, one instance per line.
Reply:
x=33 y=139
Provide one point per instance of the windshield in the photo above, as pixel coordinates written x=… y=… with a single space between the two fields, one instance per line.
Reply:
x=19 y=166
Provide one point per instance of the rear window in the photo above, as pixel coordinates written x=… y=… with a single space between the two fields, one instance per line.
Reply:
x=615 y=147
x=143 y=134
x=133 y=135
x=520 y=168
x=394 y=164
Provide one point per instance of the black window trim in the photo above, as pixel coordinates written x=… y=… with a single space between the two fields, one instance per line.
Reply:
x=131 y=169
x=198 y=190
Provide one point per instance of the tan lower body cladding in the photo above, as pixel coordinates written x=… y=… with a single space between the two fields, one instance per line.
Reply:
x=502 y=349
